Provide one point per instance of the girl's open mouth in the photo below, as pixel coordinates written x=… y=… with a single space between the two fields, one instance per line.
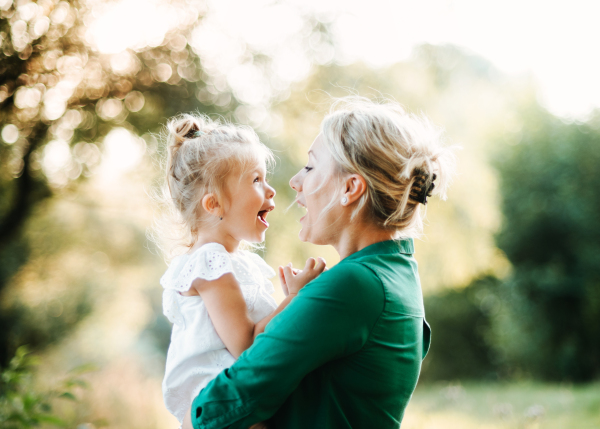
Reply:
x=262 y=216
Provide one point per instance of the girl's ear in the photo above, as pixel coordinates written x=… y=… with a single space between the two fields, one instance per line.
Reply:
x=354 y=187
x=211 y=204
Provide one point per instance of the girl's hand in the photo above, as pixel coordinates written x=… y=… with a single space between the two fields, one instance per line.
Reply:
x=292 y=280
x=284 y=287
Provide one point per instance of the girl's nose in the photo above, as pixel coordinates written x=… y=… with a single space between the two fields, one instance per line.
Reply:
x=270 y=192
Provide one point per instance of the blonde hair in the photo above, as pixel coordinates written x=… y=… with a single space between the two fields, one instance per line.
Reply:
x=395 y=152
x=201 y=154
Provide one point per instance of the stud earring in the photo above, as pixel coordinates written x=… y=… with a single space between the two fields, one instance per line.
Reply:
x=344 y=200
x=220 y=217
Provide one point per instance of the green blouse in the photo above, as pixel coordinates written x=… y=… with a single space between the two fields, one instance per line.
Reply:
x=345 y=353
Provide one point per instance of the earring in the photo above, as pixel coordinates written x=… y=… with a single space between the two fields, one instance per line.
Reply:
x=344 y=200
x=220 y=217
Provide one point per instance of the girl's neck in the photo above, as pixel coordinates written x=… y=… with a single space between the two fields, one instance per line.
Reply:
x=230 y=243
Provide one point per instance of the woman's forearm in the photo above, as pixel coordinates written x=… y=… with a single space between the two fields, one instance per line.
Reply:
x=244 y=335
x=259 y=327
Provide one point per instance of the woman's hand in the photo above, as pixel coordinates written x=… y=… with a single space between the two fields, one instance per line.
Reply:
x=292 y=280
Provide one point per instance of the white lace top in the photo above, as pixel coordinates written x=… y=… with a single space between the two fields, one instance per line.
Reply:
x=196 y=354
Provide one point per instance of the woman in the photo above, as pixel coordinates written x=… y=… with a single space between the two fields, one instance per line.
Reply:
x=347 y=351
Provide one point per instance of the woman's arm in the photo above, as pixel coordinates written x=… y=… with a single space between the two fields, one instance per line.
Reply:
x=228 y=312
x=330 y=318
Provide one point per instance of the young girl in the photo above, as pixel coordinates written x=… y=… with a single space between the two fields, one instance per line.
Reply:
x=216 y=295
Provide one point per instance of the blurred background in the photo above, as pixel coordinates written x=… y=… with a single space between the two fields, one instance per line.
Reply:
x=510 y=264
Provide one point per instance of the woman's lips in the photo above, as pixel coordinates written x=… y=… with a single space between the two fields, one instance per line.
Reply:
x=304 y=207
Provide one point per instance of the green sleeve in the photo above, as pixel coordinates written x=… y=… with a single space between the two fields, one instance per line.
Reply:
x=330 y=318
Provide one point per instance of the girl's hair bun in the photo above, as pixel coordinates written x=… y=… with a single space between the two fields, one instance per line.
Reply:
x=192 y=132
x=187 y=127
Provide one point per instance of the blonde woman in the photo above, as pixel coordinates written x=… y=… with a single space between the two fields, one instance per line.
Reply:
x=347 y=351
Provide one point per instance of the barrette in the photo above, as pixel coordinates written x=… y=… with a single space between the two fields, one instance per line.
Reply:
x=419 y=192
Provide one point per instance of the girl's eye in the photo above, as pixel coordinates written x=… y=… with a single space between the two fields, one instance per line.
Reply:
x=307 y=168
x=256 y=179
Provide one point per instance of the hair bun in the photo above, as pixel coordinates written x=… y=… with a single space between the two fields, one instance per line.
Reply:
x=185 y=127
x=192 y=132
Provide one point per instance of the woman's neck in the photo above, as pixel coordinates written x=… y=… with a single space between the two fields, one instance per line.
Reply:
x=357 y=236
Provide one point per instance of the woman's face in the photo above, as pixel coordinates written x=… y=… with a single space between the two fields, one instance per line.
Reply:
x=315 y=185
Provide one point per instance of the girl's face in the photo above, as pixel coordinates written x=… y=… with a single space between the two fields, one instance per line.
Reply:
x=249 y=200
x=316 y=186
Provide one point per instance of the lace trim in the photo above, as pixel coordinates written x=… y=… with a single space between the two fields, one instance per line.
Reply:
x=210 y=262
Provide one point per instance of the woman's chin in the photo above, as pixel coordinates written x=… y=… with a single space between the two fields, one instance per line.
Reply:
x=302 y=236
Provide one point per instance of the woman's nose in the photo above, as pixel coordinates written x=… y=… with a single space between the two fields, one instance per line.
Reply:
x=295 y=183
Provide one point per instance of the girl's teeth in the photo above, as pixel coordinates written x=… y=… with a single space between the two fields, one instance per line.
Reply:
x=263 y=220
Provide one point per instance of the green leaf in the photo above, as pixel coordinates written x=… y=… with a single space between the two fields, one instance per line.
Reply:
x=68 y=395
x=83 y=369
x=52 y=420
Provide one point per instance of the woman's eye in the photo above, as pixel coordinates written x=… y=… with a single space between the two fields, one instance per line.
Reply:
x=307 y=168
x=256 y=179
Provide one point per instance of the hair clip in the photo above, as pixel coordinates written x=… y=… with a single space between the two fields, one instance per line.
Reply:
x=192 y=134
x=419 y=192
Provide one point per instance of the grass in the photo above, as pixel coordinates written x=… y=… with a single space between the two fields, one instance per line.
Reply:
x=504 y=406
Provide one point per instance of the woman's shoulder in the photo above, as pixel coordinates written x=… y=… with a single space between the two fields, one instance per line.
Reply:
x=351 y=280
x=352 y=270
x=399 y=277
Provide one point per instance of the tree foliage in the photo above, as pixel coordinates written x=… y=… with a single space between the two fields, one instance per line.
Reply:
x=549 y=325
x=23 y=405
x=460 y=321
x=55 y=87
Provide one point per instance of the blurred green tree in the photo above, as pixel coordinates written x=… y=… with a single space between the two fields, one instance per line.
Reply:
x=549 y=323
x=460 y=321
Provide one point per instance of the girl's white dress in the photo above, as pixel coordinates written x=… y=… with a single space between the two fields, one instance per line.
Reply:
x=196 y=353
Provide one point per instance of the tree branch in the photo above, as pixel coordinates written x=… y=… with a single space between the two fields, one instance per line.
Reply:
x=28 y=192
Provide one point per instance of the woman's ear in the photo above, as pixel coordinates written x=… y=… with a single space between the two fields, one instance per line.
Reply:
x=211 y=205
x=355 y=186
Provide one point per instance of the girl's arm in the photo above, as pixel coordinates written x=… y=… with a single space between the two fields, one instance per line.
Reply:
x=227 y=309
